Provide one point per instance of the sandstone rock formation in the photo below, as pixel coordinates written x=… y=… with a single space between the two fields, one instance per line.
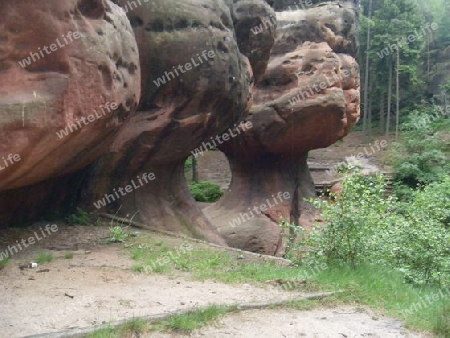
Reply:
x=199 y=61
x=175 y=117
x=60 y=62
x=308 y=98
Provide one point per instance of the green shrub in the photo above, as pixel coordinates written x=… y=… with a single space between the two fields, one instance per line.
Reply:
x=421 y=157
x=204 y=191
x=117 y=234
x=188 y=164
x=81 y=217
x=44 y=257
x=363 y=226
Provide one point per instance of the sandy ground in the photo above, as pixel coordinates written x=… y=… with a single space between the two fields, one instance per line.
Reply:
x=97 y=286
x=321 y=323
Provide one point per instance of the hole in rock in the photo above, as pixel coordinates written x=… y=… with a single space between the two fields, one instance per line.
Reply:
x=208 y=175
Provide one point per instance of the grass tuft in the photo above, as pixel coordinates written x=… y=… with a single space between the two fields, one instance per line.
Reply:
x=44 y=257
x=194 y=320
x=68 y=255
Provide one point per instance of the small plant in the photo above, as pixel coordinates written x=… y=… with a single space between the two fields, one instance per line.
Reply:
x=81 y=217
x=117 y=234
x=133 y=328
x=204 y=191
x=293 y=231
x=3 y=262
x=68 y=255
x=44 y=257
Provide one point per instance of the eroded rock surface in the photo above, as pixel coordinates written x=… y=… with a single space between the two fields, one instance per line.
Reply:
x=308 y=98
x=199 y=61
x=60 y=61
x=192 y=105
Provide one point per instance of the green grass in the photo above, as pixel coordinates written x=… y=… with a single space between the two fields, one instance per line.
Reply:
x=133 y=328
x=194 y=320
x=3 y=262
x=43 y=257
x=108 y=332
x=386 y=291
x=68 y=255
x=380 y=288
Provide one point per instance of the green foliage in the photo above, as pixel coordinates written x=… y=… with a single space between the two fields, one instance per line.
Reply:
x=391 y=22
x=3 y=261
x=68 y=255
x=421 y=157
x=44 y=257
x=204 y=191
x=133 y=328
x=422 y=238
x=188 y=164
x=352 y=220
x=442 y=325
x=117 y=234
x=363 y=226
x=81 y=217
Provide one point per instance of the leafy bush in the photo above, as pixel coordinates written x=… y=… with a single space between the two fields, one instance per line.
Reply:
x=204 y=191
x=353 y=220
x=188 y=164
x=81 y=217
x=423 y=240
x=117 y=234
x=363 y=226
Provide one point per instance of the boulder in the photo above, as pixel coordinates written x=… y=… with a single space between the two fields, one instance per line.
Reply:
x=196 y=82
x=70 y=80
x=308 y=98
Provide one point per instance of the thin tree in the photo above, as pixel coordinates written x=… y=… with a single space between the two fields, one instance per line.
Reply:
x=194 y=169
x=388 y=117
x=397 y=94
x=382 y=113
x=366 y=75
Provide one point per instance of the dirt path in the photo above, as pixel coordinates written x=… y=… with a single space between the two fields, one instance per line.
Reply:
x=97 y=286
x=321 y=323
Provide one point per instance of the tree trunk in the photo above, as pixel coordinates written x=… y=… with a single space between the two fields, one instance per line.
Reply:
x=388 y=117
x=382 y=114
x=369 y=123
x=194 y=169
x=366 y=77
x=397 y=105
